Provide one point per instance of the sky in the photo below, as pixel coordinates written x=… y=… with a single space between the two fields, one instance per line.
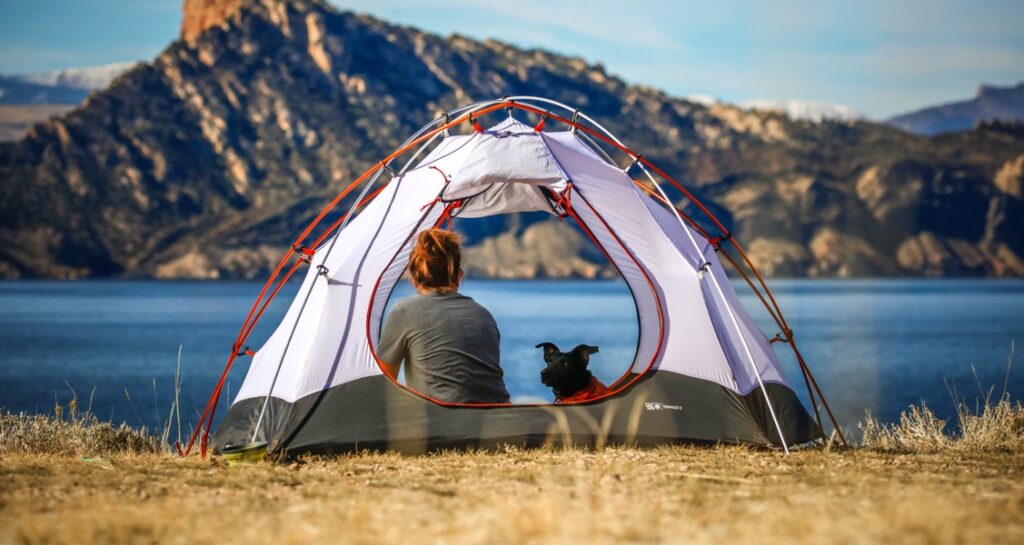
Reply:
x=879 y=57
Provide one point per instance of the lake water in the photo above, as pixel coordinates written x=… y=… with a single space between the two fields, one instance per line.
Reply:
x=874 y=345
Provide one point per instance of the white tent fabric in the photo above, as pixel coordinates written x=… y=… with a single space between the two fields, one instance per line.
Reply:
x=508 y=155
x=686 y=326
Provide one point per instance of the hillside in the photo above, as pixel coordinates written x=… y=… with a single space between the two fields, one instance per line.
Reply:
x=204 y=162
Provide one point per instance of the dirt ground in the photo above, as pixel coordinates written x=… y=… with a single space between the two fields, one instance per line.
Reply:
x=669 y=495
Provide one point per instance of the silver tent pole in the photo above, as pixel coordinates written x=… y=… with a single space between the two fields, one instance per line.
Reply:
x=305 y=300
x=675 y=212
x=750 y=355
x=705 y=267
x=327 y=253
x=334 y=239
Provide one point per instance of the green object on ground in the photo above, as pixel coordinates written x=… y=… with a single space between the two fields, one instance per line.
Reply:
x=246 y=453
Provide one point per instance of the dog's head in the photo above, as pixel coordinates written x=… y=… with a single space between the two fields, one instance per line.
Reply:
x=566 y=372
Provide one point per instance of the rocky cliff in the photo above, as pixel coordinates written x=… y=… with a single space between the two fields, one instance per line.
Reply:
x=206 y=161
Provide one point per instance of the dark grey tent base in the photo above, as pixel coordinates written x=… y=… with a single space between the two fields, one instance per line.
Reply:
x=664 y=408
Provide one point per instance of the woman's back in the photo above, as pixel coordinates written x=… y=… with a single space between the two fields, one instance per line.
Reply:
x=450 y=345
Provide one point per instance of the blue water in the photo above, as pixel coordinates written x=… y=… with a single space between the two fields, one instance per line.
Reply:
x=874 y=345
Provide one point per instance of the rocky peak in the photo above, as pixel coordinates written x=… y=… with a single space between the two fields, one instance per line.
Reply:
x=199 y=15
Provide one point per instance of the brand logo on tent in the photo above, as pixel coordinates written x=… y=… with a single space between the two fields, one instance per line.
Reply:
x=656 y=406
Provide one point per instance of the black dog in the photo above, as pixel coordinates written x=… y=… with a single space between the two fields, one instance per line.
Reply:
x=567 y=374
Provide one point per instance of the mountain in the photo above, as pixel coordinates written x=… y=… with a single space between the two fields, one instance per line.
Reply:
x=809 y=110
x=205 y=162
x=990 y=104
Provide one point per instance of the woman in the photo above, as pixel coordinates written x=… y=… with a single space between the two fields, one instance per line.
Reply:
x=449 y=343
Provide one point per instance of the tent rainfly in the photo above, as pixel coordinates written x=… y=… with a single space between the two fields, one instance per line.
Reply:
x=702 y=372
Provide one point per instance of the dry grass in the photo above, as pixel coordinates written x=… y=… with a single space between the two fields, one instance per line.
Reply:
x=996 y=427
x=70 y=433
x=667 y=495
x=992 y=426
x=949 y=489
x=70 y=479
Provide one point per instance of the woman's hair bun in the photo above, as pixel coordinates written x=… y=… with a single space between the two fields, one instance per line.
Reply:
x=436 y=259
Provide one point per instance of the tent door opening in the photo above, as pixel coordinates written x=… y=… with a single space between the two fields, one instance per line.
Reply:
x=560 y=205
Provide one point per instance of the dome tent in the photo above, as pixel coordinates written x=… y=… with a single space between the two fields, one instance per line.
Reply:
x=702 y=372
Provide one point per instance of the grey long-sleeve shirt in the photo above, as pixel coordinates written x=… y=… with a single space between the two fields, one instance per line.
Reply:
x=450 y=346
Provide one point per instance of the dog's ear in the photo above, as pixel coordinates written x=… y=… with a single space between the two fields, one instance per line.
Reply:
x=583 y=351
x=550 y=349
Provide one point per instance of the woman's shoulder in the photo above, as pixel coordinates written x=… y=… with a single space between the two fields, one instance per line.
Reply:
x=408 y=302
x=418 y=301
x=469 y=302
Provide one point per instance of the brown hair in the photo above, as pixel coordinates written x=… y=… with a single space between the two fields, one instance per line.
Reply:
x=436 y=260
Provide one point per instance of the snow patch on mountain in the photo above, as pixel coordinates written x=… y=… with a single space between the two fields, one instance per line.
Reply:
x=809 y=110
x=703 y=100
x=86 y=77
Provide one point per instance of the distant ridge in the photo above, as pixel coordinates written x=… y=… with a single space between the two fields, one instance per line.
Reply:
x=991 y=103
x=67 y=86
x=27 y=99
x=14 y=90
